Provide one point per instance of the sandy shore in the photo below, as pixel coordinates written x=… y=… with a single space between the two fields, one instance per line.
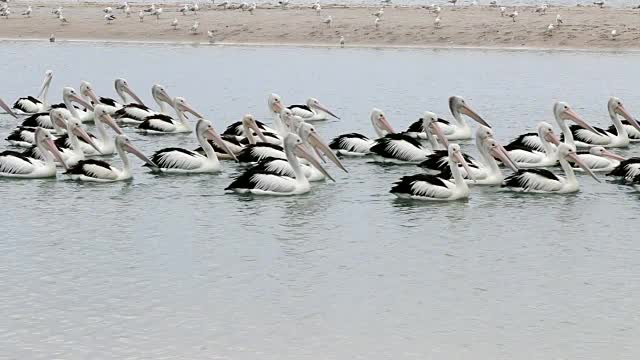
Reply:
x=472 y=26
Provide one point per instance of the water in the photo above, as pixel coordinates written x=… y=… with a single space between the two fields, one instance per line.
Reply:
x=171 y=267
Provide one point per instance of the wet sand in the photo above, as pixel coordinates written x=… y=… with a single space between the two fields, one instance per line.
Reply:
x=470 y=26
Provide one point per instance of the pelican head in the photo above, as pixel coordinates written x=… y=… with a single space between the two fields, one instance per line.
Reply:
x=380 y=122
x=124 y=144
x=249 y=123
x=42 y=136
x=563 y=112
x=75 y=126
x=275 y=103
x=457 y=106
x=86 y=90
x=496 y=150
x=122 y=87
x=181 y=105
x=70 y=94
x=100 y=112
x=568 y=152
x=205 y=129
x=455 y=154
x=545 y=131
x=430 y=123
x=309 y=134
x=160 y=93
x=615 y=107
x=293 y=141
x=601 y=151
x=315 y=104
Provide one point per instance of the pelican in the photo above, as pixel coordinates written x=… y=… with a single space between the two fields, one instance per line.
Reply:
x=236 y=143
x=257 y=183
x=562 y=112
x=276 y=107
x=310 y=137
x=163 y=124
x=627 y=169
x=431 y=187
x=111 y=106
x=460 y=130
x=312 y=111
x=183 y=161
x=544 y=181
x=613 y=137
x=525 y=157
x=400 y=148
x=101 y=171
x=70 y=148
x=16 y=165
x=599 y=159
x=32 y=105
x=239 y=129
x=136 y=113
x=354 y=144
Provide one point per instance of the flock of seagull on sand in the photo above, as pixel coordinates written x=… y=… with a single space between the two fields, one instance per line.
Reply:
x=287 y=156
x=193 y=8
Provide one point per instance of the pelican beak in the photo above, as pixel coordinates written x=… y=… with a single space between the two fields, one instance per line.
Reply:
x=303 y=153
x=189 y=109
x=317 y=143
x=92 y=95
x=575 y=158
x=621 y=110
x=56 y=153
x=440 y=134
x=81 y=101
x=211 y=134
x=472 y=114
x=133 y=95
x=132 y=149
x=6 y=108
x=107 y=119
x=83 y=134
x=552 y=138
x=573 y=116
x=384 y=123
x=501 y=153
x=612 y=155
x=324 y=109
x=460 y=159
x=277 y=107
x=253 y=126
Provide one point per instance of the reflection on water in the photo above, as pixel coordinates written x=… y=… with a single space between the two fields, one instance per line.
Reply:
x=171 y=267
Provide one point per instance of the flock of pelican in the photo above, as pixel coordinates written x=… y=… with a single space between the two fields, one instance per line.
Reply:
x=286 y=157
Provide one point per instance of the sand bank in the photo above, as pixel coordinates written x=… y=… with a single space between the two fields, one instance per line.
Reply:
x=471 y=26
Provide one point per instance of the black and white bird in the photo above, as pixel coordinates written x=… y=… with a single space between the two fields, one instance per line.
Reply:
x=109 y=18
x=28 y=12
x=31 y=104
x=328 y=20
x=17 y=165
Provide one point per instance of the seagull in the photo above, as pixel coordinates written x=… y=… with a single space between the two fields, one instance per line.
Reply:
x=194 y=27
x=5 y=12
x=107 y=10
x=194 y=8
x=157 y=13
x=437 y=10
x=328 y=20
x=542 y=9
x=549 y=29
x=52 y=38
x=174 y=23
x=436 y=22
x=127 y=11
x=57 y=11
x=502 y=10
x=122 y=7
x=28 y=12
x=224 y=4
x=141 y=15
x=474 y=3
x=379 y=13
x=614 y=34
x=151 y=8
x=317 y=8
x=513 y=15
x=452 y=2
x=210 y=36
x=493 y=3
x=559 y=20
x=252 y=8
x=377 y=22
x=244 y=6
x=184 y=9
x=341 y=41
x=63 y=20
x=283 y=3
x=109 y=18
x=385 y=2
x=599 y=3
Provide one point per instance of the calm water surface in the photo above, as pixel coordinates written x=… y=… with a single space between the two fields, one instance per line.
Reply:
x=171 y=267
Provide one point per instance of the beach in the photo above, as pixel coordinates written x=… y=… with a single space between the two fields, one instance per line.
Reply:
x=584 y=27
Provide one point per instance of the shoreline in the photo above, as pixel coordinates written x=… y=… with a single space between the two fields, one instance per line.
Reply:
x=584 y=28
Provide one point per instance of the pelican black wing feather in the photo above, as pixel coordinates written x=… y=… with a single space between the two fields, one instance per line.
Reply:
x=336 y=143
x=77 y=169
x=236 y=128
x=17 y=105
x=108 y=101
x=303 y=107
x=405 y=184
x=621 y=169
x=519 y=143
x=518 y=179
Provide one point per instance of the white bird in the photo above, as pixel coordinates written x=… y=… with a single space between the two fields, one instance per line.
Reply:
x=123 y=6
x=436 y=10
x=174 y=23
x=127 y=11
x=150 y=9
x=223 y=4
x=615 y=136
x=210 y=36
x=341 y=41
x=599 y=159
x=355 y=144
x=452 y=2
x=313 y=110
x=63 y=20
x=194 y=8
x=107 y=10
x=513 y=15
x=134 y=113
x=599 y=3
x=379 y=13
x=328 y=21
x=183 y=161
x=614 y=34
x=559 y=20
x=526 y=157
x=5 y=13
x=542 y=9
x=283 y=3
x=57 y=11
x=100 y=171
x=377 y=22
x=544 y=181
x=141 y=16
x=252 y=8
x=39 y=103
x=385 y=2
x=459 y=129
x=317 y=8
x=163 y=124
x=431 y=187
x=184 y=9
x=549 y=30
x=109 y=18
x=194 y=27
x=157 y=12
x=28 y=12
x=52 y=38
x=259 y=183
x=69 y=146
x=17 y=165
x=627 y=170
x=436 y=22
x=503 y=10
